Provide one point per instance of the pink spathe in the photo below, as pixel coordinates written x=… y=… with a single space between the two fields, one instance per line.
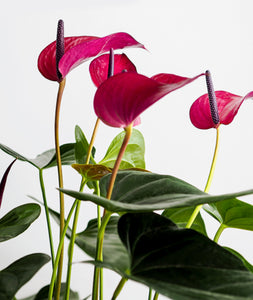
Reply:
x=121 y=99
x=228 y=105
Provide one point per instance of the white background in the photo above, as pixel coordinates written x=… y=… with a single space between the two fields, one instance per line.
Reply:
x=183 y=37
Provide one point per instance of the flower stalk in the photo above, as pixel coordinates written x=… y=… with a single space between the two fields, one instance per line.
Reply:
x=60 y=180
x=43 y=191
x=216 y=121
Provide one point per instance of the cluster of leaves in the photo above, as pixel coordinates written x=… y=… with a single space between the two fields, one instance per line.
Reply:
x=140 y=244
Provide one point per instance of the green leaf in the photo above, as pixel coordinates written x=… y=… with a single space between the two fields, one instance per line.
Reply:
x=181 y=263
x=91 y=172
x=232 y=213
x=82 y=146
x=141 y=192
x=16 y=155
x=114 y=252
x=67 y=156
x=245 y=262
x=43 y=294
x=46 y=159
x=181 y=216
x=133 y=156
x=18 y=220
x=18 y=273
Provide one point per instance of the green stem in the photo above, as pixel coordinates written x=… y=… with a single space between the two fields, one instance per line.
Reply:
x=209 y=180
x=107 y=215
x=119 y=288
x=42 y=186
x=60 y=179
x=155 y=296
x=59 y=251
x=71 y=249
x=72 y=242
x=101 y=288
x=150 y=294
x=99 y=254
x=219 y=232
x=94 y=133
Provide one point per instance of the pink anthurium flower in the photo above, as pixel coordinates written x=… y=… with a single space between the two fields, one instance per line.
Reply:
x=99 y=67
x=121 y=99
x=227 y=104
x=79 y=49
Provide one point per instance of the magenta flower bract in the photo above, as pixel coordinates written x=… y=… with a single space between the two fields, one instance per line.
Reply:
x=122 y=98
x=99 y=67
x=228 y=105
x=78 y=50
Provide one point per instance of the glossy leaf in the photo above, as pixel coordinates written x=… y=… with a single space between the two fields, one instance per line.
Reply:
x=46 y=159
x=232 y=213
x=228 y=105
x=180 y=216
x=121 y=99
x=99 y=67
x=18 y=273
x=18 y=220
x=3 y=181
x=245 y=262
x=114 y=253
x=91 y=172
x=142 y=191
x=181 y=263
x=133 y=156
x=81 y=147
x=43 y=294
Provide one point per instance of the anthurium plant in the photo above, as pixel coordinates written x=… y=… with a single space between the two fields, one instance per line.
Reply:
x=149 y=227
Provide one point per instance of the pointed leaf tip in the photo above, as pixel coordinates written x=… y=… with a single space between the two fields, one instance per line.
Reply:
x=83 y=51
x=122 y=98
x=3 y=181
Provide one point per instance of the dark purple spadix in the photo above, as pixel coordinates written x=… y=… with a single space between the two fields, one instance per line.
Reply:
x=59 y=46
x=111 y=64
x=212 y=99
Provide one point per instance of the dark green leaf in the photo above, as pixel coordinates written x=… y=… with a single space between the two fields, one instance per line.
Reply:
x=141 y=191
x=43 y=294
x=232 y=213
x=133 y=156
x=181 y=216
x=18 y=273
x=114 y=253
x=181 y=263
x=82 y=146
x=245 y=262
x=16 y=155
x=46 y=159
x=67 y=156
x=18 y=220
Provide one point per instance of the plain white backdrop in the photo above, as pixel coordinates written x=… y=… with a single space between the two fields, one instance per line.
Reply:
x=182 y=37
